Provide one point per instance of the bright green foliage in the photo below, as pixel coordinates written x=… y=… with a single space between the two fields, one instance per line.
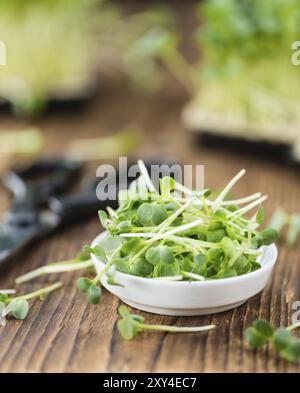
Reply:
x=130 y=325
x=246 y=49
x=224 y=244
x=18 y=307
x=162 y=234
x=151 y=214
x=261 y=332
x=160 y=254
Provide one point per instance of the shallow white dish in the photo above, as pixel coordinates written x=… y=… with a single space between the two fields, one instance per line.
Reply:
x=182 y=298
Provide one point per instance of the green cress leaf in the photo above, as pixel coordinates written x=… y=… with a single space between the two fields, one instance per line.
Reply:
x=168 y=270
x=121 y=265
x=292 y=352
x=281 y=339
x=151 y=214
x=124 y=226
x=215 y=236
x=141 y=268
x=110 y=277
x=200 y=264
x=231 y=233
x=128 y=328
x=17 y=309
x=227 y=273
x=160 y=254
x=159 y=214
x=171 y=206
x=186 y=265
x=260 y=216
x=215 y=225
x=167 y=185
x=268 y=236
x=216 y=254
x=229 y=247
x=94 y=294
x=4 y=297
x=255 y=339
x=255 y=266
x=263 y=327
x=97 y=250
x=132 y=247
x=124 y=312
x=84 y=284
x=242 y=264
x=103 y=217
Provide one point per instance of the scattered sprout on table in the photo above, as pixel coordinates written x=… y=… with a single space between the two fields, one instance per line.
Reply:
x=261 y=333
x=17 y=306
x=130 y=325
x=81 y=262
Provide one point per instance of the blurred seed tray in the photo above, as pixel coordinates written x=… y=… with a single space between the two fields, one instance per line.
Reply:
x=213 y=131
x=60 y=101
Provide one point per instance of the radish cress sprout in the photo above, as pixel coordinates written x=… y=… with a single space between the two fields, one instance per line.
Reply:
x=186 y=236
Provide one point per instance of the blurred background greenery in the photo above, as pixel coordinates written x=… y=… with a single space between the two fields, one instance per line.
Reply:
x=229 y=59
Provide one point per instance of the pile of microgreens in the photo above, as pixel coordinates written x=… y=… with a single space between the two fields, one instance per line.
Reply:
x=178 y=235
x=17 y=306
x=172 y=234
x=261 y=333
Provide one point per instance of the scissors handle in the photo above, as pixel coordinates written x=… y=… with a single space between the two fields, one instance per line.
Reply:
x=74 y=207
x=41 y=179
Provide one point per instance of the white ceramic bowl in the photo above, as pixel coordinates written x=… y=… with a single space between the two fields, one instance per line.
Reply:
x=189 y=298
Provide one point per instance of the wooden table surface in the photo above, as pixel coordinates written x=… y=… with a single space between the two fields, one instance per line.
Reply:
x=65 y=334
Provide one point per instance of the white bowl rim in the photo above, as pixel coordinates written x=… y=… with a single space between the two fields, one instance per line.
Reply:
x=243 y=277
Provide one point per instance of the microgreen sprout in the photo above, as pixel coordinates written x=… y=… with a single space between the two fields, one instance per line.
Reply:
x=80 y=262
x=261 y=333
x=130 y=325
x=17 y=307
x=93 y=287
x=179 y=236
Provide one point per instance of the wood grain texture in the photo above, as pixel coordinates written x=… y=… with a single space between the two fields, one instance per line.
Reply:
x=63 y=333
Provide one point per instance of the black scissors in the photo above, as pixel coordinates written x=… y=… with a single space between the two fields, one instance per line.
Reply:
x=41 y=202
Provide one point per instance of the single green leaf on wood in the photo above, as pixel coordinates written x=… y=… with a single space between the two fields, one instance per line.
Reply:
x=281 y=339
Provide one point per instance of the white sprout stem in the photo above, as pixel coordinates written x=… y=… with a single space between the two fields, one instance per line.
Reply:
x=55 y=268
x=182 y=188
x=198 y=243
x=241 y=201
x=111 y=212
x=247 y=208
x=226 y=190
x=160 y=236
x=168 y=221
x=7 y=291
x=39 y=293
x=294 y=326
x=193 y=276
x=179 y=277
x=146 y=176
x=177 y=329
x=202 y=243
